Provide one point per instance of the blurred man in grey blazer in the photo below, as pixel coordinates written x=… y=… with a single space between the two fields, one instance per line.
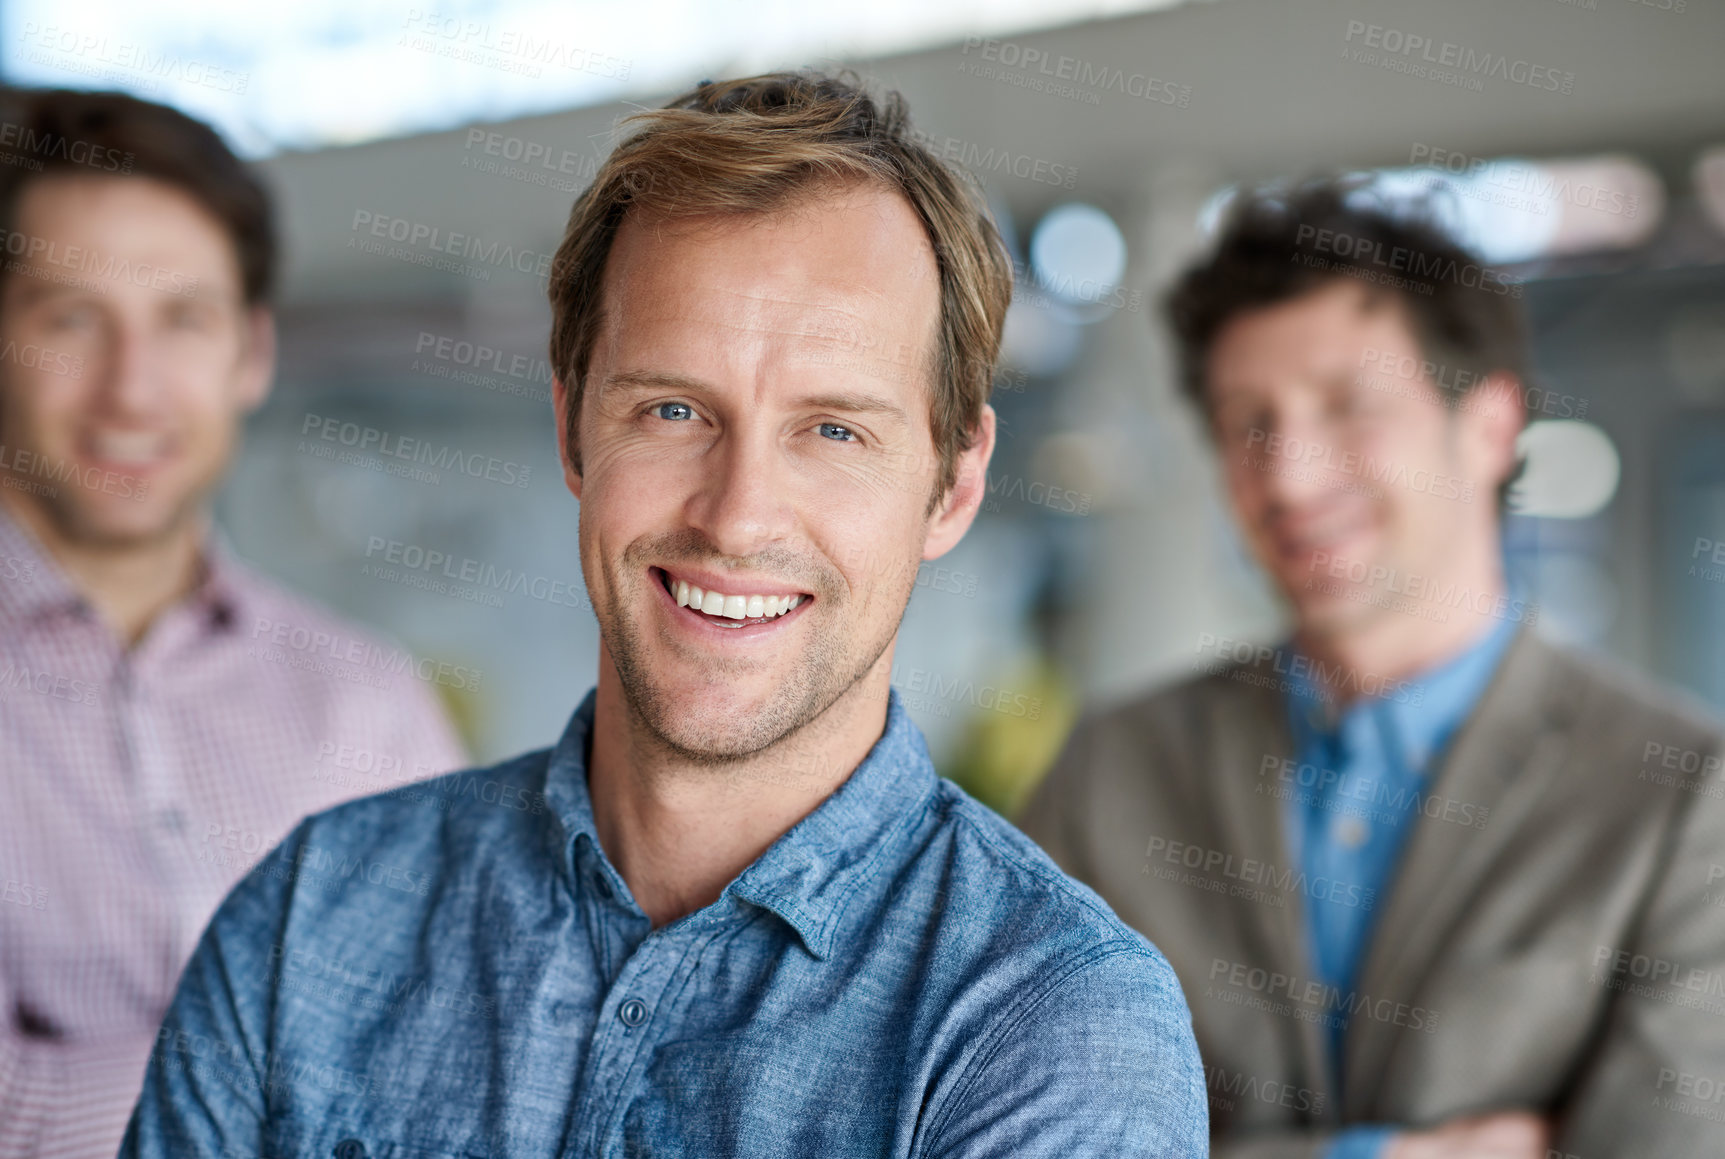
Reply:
x=1434 y=886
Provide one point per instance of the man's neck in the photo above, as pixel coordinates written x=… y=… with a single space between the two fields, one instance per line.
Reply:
x=130 y=583
x=678 y=831
x=1394 y=645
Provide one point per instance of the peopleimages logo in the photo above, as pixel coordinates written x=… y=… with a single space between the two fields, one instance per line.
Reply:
x=1263 y=447
x=19 y=465
x=995 y=160
x=1282 y=662
x=1309 y=1000
x=15 y=676
x=1457 y=386
x=1417 y=264
x=1247 y=872
x=372 y=440
x=360 y=655
x=38 y=145
x=1368 y=797
x=1519 y=185
x=76 y=50
x=430 y=241
x=432 y=565
x=919 y=685
x=1033 y=68
x=518 y=50
x=1418 y=589
x=1406 y=47
x=1226 y=1087
x=529 y=162
x=34 y=357
x=103 y=267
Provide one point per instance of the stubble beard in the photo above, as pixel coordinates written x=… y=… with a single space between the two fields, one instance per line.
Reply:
x=822 y=674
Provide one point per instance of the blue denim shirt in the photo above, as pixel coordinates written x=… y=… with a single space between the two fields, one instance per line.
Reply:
x=456 y=968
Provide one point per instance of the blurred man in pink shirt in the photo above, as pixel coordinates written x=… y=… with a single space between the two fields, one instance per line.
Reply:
x=166 y=714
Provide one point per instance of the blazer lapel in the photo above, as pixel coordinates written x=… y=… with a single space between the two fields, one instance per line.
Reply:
x=1501 y=760
x=1250 y=820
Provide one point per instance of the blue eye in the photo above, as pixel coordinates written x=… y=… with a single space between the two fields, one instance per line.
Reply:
x=837 y=433
x=675 y=411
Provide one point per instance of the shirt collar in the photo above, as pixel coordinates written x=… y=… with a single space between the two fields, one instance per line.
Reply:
x=224 y=590
x=1424 y=711
x=811 y=873
x=32 y=583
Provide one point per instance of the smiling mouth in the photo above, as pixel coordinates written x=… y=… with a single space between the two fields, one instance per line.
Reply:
x=134 y=450
x=730 y=609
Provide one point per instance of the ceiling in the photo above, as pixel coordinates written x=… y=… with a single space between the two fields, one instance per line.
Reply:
x=1237 y=89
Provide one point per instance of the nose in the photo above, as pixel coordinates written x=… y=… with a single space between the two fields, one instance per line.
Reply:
x=1297 y=462
x=129 y=368
x=743 y=502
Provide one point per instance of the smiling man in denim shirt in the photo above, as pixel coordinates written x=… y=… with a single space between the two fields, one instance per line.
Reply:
x=733 y=911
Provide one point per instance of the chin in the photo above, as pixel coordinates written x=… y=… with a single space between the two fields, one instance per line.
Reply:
x=122 y=523
x=711 y=716
x=1325 y=617
x=716 y=732
x=1336 y=614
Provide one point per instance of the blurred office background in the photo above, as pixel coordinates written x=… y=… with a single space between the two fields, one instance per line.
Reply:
x=426 y=155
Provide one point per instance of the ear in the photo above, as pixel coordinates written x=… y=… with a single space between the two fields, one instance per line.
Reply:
x=560 y=412
x=1492 y=416
x=958 y=507
x=257 y=360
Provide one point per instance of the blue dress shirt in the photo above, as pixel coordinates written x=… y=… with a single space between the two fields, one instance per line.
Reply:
x=455 y=968
x=1361 y=788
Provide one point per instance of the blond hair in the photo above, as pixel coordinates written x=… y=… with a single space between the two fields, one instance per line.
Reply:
x=749 y=147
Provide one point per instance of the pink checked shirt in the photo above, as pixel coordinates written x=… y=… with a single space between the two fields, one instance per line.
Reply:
x=137 y=787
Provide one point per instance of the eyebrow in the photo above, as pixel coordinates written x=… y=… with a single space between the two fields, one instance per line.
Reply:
x=41 y=290
x=853 y=403
x=844 y=401
x=651 y=380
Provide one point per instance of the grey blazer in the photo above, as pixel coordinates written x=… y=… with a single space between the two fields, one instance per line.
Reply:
x=1553 y=938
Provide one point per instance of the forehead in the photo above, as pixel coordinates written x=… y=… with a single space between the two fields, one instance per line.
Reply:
x=110 y=227
x=847 y=278
x=1320 y=336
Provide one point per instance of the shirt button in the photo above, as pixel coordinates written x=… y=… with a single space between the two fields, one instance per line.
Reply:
x=1351 y=831
x=633 y=1012
x=350 y=1149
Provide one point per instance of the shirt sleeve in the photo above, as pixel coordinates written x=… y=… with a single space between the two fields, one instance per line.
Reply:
x=205 y=1088
x=1102 y=1063
x=1655 y=1085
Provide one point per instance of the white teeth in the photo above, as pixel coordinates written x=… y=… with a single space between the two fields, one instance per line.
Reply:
x=128 y=446
x=731 y=607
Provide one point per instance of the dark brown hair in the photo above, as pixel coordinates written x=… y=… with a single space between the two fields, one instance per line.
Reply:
x=750 y=147
x=64 y=132
x=1281 y=241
